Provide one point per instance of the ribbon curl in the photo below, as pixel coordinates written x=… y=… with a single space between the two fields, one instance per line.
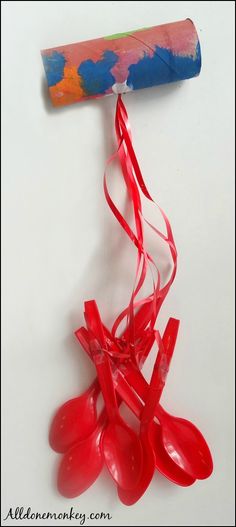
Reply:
x=141 y=313
x=134 y=182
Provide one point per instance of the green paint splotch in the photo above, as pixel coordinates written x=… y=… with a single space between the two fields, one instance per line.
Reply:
x=123 y=35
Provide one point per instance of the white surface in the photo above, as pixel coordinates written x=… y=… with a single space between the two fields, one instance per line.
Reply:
x=62 y=246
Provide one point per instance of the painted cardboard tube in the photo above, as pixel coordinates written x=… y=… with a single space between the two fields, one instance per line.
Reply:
x=122 y=62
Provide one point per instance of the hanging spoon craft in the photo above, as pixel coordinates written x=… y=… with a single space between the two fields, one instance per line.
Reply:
x=118 y=64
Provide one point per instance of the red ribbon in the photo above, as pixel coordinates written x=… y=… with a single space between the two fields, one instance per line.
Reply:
x=143 y=321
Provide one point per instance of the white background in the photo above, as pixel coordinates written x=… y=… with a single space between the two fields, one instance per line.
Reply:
x=61 y=246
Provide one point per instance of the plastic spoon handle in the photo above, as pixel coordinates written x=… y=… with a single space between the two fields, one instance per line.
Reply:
x=106 y=383
x=100 y=359
x=121 y=385
x=94 y=322
x=82 y=336
x=147 y=412
x=123 y=388
x=159 y=374
x=134 y=376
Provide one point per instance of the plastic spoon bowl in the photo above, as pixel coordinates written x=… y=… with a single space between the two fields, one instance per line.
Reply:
x=185 y=444
x=74 y=420
x=164 y=463
x=131 y=496
x=82 y=464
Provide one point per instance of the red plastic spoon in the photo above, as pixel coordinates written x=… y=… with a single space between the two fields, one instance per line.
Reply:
x=164 y=463
x=181 y=439
x=185 y=444
x=74 y=420
x=121 y=446
x=147 y=426
x=129 y=497
x=82 y=464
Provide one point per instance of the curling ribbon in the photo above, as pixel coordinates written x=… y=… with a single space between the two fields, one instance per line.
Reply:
x=140 y=325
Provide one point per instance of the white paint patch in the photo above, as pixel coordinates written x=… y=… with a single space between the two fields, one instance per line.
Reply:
x=121 y=87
